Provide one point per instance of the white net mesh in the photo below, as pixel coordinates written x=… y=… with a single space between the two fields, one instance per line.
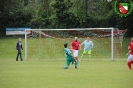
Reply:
x=48 y=44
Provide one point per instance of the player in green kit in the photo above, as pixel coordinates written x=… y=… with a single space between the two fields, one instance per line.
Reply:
x=69 y=57
x=88 y=45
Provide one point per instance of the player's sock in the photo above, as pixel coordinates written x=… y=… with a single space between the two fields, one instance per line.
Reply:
x=89 y=57
x=129 y=65
x=76 y=58
x=76 y=64
x=131 y=62
x=76 y=67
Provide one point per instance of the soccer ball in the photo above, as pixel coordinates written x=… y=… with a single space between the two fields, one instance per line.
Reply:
x=109 y=0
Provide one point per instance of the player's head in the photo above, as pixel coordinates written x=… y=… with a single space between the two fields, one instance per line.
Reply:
x=19 y=39
x=132 y=39
x=76 y=39
x=88 y=38
x=65 y=45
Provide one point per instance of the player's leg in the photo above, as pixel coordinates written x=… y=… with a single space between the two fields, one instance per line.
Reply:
x=21 y=55
x=17 y=56
x=75 y=62
x=84 y=52
x=67 y=63
x=132 y=62
x=75 y=53
x=89 y=53
x=130 y=57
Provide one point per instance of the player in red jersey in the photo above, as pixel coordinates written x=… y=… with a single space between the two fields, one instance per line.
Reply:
x=75 y=45
x=130 y=53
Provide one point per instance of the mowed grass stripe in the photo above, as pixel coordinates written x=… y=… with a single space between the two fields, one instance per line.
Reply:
x=33 y=49
x=48 y=74
x=54 y=47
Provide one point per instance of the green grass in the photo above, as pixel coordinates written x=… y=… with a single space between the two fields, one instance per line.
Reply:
x=53 y=48
x=48 y=73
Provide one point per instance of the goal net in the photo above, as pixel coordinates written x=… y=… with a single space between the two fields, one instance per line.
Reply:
x=48 y=43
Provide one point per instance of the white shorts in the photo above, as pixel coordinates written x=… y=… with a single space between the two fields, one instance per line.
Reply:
x=130 y=58
x=75 y=53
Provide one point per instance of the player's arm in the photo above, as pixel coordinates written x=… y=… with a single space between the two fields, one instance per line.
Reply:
x=21 y=47
x=81 y=45
x=128 y=47
x=17 y=46
x=71 y=49
x=68 y=54
x=128 y=52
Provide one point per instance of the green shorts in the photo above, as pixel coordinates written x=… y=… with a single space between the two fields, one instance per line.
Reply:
x=88 y=52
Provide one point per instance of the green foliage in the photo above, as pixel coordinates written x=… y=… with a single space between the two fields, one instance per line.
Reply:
x=62 y=17
x=13 y=15
x=62 y=14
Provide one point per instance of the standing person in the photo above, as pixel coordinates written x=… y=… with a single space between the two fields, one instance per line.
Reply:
x=19 y=47
x=88 y=45
x=75 y=45
x=130 y=53
x=69 y=57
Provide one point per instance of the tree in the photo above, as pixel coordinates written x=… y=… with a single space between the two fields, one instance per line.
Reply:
x=62 y=17
x=62 y=14
x=13 y=15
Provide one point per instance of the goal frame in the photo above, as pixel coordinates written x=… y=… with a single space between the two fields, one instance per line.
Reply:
x=112 y=37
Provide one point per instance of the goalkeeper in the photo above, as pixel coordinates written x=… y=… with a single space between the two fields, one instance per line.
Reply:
x=88 y=45
x=69 y=57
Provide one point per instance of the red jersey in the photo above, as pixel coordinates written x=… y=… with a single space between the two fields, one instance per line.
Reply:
x=131 y=47
x=75 y=45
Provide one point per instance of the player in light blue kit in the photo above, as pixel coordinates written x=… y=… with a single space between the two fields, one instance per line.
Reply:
x=88 y=45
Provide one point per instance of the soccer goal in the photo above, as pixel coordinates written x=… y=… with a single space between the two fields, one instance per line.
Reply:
x=48 y=43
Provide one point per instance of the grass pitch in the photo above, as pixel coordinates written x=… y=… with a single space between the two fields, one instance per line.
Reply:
x=48 y=73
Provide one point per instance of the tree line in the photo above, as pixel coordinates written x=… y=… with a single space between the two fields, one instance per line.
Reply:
x=62 y=14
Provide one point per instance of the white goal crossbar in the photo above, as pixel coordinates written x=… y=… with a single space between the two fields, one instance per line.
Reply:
x=76 y=29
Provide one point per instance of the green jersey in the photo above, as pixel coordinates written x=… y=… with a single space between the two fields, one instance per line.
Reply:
x=68 y=53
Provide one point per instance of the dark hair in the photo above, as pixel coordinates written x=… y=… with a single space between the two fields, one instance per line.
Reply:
x=65 y=45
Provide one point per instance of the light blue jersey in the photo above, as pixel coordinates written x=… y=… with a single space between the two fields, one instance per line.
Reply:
x=88 y=45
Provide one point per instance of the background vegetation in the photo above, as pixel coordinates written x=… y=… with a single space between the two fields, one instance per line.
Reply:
x=62 y=14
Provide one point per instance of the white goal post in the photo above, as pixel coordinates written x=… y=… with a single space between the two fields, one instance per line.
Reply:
x=111 y=35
